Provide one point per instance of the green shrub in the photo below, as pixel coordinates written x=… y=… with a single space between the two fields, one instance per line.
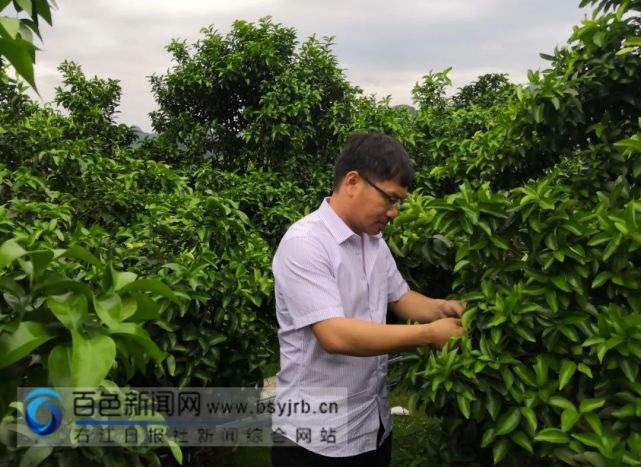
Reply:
x=541 y=239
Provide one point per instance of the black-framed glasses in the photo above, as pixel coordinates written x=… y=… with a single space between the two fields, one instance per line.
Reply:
x=391 y=199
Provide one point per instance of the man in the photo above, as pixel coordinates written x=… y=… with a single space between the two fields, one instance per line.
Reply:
x=334 y=280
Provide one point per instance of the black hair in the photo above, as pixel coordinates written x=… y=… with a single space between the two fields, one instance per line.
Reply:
x=375 y=156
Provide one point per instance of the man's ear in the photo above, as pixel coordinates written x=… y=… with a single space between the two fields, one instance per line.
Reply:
x=351 y=180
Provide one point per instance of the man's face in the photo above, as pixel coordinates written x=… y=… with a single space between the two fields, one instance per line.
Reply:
x=374 y=205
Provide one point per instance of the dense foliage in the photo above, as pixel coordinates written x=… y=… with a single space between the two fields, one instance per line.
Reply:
x=147 y=262
x=252 y=99
x=541 y=239
x=163 y=281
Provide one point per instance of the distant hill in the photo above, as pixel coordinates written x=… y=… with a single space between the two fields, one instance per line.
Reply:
x=141 y=135
x=409 y=108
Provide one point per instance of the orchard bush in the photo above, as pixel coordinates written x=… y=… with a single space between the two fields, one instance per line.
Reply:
x=252 y=99
x=549 y=268
x=115 y=271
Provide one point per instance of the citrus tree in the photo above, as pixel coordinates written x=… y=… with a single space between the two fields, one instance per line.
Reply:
x=548 y=265
x=254 y=98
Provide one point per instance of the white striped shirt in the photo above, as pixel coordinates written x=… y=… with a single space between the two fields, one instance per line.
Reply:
x=323 y=270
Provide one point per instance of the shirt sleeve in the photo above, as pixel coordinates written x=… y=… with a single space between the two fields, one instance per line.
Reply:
x=305 y=280
x=396 y=285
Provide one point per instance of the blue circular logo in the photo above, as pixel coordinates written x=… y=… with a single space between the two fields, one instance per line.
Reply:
x=42 y=401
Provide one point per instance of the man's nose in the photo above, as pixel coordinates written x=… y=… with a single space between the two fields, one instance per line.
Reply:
x=392 y=213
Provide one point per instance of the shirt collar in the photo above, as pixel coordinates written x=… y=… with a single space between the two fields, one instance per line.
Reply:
x=337 y=227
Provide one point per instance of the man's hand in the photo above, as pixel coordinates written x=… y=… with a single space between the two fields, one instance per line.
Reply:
x=452 y=308
x=417 y=307
x=441 y=330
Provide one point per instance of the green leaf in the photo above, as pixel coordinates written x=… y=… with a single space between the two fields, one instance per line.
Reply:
x=561 y=283
x=508 y=377
x=508 y=422
x=91 y=359
x=561 y=402
x=78 y=252
x=146 y=308
x=551 y=242
x=70 y=309
x=9 y=285
x=10 y=25
x=524 y=333
x=463 y=405
x=129 y=308
x=530 y=417
x=26 y=6
x=569 y=332
x=43 y=9
x=583 y=368
x=541 y=370
x=137 y=334
x=216 y=339
x=468 y=318
x=27 y=28
x=610 y=250
x=499 y=242
x=630 y=459
x=59 y=366
x=121 y=279
x=590 y=405
x=40 y=260
x=493 y=404
x=170 y=361
x=628 y=410
x=600 y=238
x=568 y=418
x=588 y=439
x=633 y=41
x=488 y=437
x=460 y=265
x=59 y=286
x=634 y=443
x=552 y=435
x=27 y=267
x=175 y=450
x=20 y=55
x=525 y=374
x=574 y=228
x=522 y=440
x=591 y=341
x=149 y=285
x=596 y=459
x=498 y=319
x=499 y=451
x=630 y=369
x=599 y=38
x=550 y=298
x=25 y=339
x=568 y=368
x=595 y=423
x=625 y=50
x=601 y=279
x=35 y=455
x=109 y=309
x=9 y=252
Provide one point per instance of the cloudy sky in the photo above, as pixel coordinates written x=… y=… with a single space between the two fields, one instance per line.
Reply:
x=384 y=46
